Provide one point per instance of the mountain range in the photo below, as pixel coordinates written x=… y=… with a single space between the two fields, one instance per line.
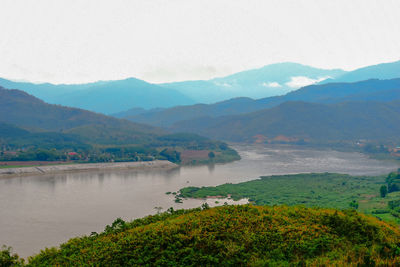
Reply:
x=381 y=71
x=114 y=97
x=313 y=122
x=270 y=80
x=105 y=96
x=377 y=90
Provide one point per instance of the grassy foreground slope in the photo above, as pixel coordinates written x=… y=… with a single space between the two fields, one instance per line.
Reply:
x=235 y=235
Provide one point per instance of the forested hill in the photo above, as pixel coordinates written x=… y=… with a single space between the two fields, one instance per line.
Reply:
x=370 y=90
x=235 y=236
x=305 y=121
x=24 y=110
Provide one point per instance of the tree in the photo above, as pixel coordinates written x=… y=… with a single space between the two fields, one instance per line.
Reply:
x=383 y=191
x=7 y=258
x=354 y=204
x=211 y=155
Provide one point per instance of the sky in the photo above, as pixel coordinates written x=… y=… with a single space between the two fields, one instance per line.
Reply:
x=78 y=41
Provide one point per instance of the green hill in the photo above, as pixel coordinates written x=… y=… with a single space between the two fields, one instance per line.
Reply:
x=23 y=110
x=235 y=236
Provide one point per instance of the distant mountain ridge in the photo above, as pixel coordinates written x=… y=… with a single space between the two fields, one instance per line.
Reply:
x=381 y=71
x=105 y=96
x=270 y=80
x=370 y=90
x=119 y=96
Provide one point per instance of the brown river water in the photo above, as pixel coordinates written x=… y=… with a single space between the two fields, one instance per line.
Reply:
x=43 y=211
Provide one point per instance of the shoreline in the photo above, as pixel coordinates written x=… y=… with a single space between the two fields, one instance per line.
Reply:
x=62 y=168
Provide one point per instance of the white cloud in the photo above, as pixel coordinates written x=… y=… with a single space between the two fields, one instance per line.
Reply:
x=300 y=81
x=271 y=84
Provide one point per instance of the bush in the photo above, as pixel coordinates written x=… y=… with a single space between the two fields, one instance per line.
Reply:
x=236 y=236
x=8 y=259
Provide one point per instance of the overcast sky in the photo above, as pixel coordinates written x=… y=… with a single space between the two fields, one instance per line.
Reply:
x=81 y=41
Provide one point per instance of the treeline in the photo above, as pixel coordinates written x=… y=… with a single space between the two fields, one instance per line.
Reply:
x=166 y=147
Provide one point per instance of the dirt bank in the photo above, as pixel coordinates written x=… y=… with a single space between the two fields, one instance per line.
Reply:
x=38 y=170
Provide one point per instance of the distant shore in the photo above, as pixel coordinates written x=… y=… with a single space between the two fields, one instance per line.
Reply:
x=49 y=169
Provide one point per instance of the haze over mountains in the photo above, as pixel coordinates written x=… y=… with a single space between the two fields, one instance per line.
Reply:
x=270 y=80
x=380 y=71
x=111 y=97
x=104 y=96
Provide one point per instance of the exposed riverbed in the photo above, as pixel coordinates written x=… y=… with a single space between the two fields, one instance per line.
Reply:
x=46 y=210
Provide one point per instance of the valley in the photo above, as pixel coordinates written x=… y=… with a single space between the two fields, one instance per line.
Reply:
x=46 y=210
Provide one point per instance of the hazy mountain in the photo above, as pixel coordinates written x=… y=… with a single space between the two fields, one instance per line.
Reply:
x=310 y=121
x=379 y=71
x=104 y=96
x=169 y=116
x=270 y=80
x=379 y=90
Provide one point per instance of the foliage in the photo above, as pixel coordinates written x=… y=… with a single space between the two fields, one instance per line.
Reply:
x=328 y=190
x=235 y=236
x=8 y=259
x=393 y=182
x=383 y=190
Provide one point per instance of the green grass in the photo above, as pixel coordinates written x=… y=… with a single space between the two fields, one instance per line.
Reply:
x=327 y=190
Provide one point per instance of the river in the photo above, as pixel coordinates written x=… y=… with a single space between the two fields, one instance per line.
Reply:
x=44 y=211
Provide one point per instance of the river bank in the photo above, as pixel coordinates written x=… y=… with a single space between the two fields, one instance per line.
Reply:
x=49 y=169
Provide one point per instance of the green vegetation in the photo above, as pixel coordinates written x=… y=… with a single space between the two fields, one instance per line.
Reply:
x=235 y=236
x=162 y=148
x=383 y=190
x=9 y=259
x=327 y=190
